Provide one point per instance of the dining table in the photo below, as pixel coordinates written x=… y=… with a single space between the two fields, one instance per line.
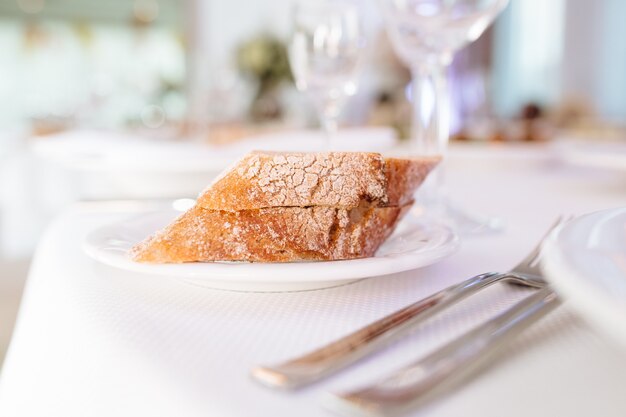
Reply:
x=93 y=340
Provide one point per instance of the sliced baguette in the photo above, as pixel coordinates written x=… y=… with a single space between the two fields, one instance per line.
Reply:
x=279 y=234
x=332 y=179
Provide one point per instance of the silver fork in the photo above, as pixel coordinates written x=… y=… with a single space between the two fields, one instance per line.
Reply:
x=329 y=359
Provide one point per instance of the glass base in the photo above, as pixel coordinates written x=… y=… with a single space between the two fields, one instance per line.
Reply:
x=433 y=201
x=462 y=221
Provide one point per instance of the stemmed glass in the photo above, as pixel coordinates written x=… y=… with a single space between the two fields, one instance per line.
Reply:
x=324 y=55
x=426 y=34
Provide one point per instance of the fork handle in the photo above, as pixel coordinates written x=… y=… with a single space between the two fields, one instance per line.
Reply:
x=347 y=350
x=449 y=365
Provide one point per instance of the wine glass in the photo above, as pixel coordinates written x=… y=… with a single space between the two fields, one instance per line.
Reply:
x=324 y=55
x=425 y=34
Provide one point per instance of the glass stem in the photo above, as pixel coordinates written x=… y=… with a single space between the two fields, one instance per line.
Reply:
x=431 y=112
x=328 y=107
x=329 y=124
x=431 y=127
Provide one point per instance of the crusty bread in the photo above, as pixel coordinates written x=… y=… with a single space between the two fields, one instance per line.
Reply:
x=278 y=234
x=286 y=207
x=333 y=179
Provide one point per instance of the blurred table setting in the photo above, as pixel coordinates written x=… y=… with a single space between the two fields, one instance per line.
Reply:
x=126 y=114
x=108 y=165
x=94 y=339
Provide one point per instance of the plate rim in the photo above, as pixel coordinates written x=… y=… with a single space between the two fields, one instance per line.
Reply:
x=592 y=302
x=375 y=266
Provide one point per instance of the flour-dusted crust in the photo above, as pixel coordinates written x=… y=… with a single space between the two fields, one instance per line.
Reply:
x=287 y=206
x=332 y=179
x=279 y=234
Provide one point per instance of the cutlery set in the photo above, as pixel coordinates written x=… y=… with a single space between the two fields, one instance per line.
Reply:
x=438 y=372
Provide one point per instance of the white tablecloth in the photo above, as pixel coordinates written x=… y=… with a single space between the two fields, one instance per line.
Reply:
x=94 y=341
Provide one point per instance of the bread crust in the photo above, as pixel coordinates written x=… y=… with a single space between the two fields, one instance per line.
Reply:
x=289 y=206
x=332 y=179
x=279 y=234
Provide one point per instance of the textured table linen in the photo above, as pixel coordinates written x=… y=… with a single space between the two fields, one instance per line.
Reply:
x=95 y=341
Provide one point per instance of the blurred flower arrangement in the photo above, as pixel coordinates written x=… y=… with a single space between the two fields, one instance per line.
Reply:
x=264 y=60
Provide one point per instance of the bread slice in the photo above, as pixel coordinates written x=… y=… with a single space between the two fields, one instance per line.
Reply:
x=289 y=206
x=276 y=234
x=332 y=179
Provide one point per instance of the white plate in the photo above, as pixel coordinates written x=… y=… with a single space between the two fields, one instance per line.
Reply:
x=601 y=154
x=104 y=166
x=414 y=244
x=585 y=261
x=111 y=152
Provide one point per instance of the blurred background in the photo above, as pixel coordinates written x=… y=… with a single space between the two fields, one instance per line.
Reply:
x=98 y=96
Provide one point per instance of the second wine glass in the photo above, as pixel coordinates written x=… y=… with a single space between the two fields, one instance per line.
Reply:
x=426 y=34
x=324 y=54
